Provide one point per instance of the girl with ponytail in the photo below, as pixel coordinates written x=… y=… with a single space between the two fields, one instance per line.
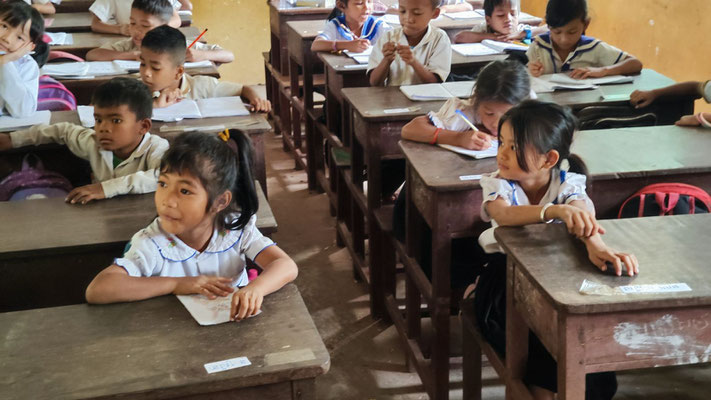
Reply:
x=205 y=230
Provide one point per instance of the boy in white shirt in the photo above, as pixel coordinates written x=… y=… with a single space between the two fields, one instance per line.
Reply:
x=162 y=58
x=43 y=6
x=123 y=156
x=147 y=15
x=414 y=53
x=112 y=16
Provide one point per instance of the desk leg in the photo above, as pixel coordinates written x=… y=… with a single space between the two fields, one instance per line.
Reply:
x=314 y=162
x=441 y=293
x=303 y=389
x=375 y=193
x=357 y=215
x=295 y=113
x=516 y=335
x=571 y=359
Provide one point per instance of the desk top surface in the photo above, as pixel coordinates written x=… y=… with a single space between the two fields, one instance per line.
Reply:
x=154 y=349
x=81 y=21
x=91 y=40
x=609 y=154
x=670 y=249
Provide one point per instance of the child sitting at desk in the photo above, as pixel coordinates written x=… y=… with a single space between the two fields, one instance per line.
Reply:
x=350 y=27
x=162 y=58
x=123 y=155
x=447 y=6
x=566 y=49
x=113 y=16
x=643 y=98
x=43 y=6
x=414 y=53
x=206 y=229
x=147 y=15
x=501 y=25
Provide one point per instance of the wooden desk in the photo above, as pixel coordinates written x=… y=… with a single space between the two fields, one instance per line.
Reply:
x=154 y=349
x=81 y=22
x=454 y=26
x=607 y=333
x=85 y=41
x=621 y=161
x=52 y=250
x=73 y=6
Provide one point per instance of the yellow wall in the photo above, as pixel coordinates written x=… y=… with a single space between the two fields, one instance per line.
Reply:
x=668 y=36
x=241 y=26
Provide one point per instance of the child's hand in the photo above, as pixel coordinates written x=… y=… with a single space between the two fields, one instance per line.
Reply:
x=688 y=120
x=192 y=55
x=580 y=222
x=389 y=51
x=358 y=45
x=642 y=98
x=600 y=254
x=209 y=286
x=499 y=37
x=85 y=194
x=475 y=140
x=260 y=105
x=124 y=30
x=405 y=53
x=167 y=97
x=535 y=68
x=590 y=72
x=246 y=302
x=17 y=54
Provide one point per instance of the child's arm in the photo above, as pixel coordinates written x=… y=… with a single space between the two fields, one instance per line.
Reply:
x=175 y=21
x=600 y=255
x=379 y=74
x=47 y=8
x=186 y=5
x=113 y=285
x=279 y=269
x=628 y=66
x=356 y=46
x=422 y=72
x=218 y=55
x=643 y=98
x=452 y=8
x=420 y=129
x=477 y=37
x=101 y=54
x=101 y=27
x=259 y=104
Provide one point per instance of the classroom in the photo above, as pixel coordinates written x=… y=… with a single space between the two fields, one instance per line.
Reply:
x=355 y=199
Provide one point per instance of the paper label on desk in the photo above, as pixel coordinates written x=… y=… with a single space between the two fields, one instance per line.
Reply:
x=396 y=110
x=232 y=363
x=469 y=177
x=656 y=288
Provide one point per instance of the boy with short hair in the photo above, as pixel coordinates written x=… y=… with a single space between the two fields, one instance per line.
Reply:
x=162 y=59
x=147 y=15
x=112 y=16
x=123 y=155
x=414 y=53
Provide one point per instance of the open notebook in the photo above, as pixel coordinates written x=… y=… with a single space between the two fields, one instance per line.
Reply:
x=438 y=91
x=478 y=154
x=203 y=108
x=474 y=49
x=561 y=81
x=360 y=58
x=9 y=124
x=465 y=15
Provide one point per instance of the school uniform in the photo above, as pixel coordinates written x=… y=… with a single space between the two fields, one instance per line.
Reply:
x=433 y=51
x=136 y=174
x=337 y=29
x=706 y=91
x=205 y=87
x=590 y=52
x=19 y=85
x=117 y=11
x=154 y=252
x=127 y=44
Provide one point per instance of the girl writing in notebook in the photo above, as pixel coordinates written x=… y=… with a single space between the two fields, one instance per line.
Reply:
x=350 y=27
x=21 y=49
x=538 y=180
x=205 y=229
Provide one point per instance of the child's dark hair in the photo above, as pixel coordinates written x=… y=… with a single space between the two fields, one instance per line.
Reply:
x=219 y=166
x=489 y=5
x=561 y=12
x=159 y=8
x=131 y=92
x=502 y=82
x=17 y=13
x=166 y=39
x=337 y=11
x=543 y=126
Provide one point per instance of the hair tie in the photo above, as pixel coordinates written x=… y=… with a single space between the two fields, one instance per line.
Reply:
x=225 y=135
x=564 y=165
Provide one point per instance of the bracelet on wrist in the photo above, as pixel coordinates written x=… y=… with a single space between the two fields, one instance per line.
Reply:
x=543 y=213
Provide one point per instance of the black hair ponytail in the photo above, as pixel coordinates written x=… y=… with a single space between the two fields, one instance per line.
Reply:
x=244 y=193
x=41 y=53
x=336 y=11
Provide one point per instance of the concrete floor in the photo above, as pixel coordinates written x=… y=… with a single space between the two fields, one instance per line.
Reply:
x=367 y=361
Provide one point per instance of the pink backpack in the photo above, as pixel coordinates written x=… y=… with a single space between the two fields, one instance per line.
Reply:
x=54 y=96
x=33 y=181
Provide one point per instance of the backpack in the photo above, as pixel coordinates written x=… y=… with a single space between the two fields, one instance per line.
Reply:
x=54 y=96
x=33 y=181
x=666 y=199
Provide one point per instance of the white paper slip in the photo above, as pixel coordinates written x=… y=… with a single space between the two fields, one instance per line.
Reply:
x=222 y=107
x=469 y=177
x=209 y=312
x=60 y=38
x=605 y=80
x=177 y=112
x=362 y=53
x=464 y=15
x=477 y=154
x=198 y=64
x=474 y=49
x=543 y=84
x=127 y=64
x=65 y=69
x=400 y=110
x=232 y=363
x=656 y=288
x=360 y=59
x=9 y=124
x=501 y=46
x=191 y=128
x=461 y=89
x=86 y=116
x=355 y=66
x=426 y=92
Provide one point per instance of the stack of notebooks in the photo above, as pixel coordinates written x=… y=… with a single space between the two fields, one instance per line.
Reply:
x=438 y=91
x=360 y=58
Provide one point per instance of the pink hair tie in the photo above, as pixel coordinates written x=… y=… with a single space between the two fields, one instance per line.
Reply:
x=702 y=120
x=46 y=38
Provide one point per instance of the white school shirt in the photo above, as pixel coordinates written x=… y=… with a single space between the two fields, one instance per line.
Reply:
x=19 y=86
x=205 y=87
x=154 y=252
x=590 y=52
x=447 y=118
x=117 y=11
x=373 y=28
x=564 y=188
x=433 y=51
x=706 y=91
x=136 y=174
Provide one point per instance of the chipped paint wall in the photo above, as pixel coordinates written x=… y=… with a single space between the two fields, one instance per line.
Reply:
x=241 y=26
x=669 y=36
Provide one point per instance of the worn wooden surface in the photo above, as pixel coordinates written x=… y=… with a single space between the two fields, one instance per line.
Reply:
x=154 y=349
x=81 y=22
x=85 y=41
x=71 y=6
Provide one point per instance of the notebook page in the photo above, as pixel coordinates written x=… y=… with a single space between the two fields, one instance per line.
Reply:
x=86 y=116
x=65 y=69
x=222 y=107
x=464 y=15
x=474 y=49
x=605 y=80
x=501 y=46
x=104 y=68
x=463 y=89
x=477 y=154
x=206 y=311
x=183 y=109
x=426 y=92
x=9 y=124
x=363 y=53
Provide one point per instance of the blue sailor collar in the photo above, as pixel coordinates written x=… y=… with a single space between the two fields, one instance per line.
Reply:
x=585 y=44
x=370 y=28
x=171 y=248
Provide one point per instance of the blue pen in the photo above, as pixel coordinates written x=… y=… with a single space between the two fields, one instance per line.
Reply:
x=464 y=117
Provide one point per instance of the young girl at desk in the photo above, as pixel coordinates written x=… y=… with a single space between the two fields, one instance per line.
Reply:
x=21 y=31
x=501 y=25
x=350 y=27
x=206 y=227
x=538 y=181
x=566 y=49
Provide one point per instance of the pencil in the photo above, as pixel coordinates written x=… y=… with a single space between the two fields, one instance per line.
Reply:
x=197 y=38
x=462 y=116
